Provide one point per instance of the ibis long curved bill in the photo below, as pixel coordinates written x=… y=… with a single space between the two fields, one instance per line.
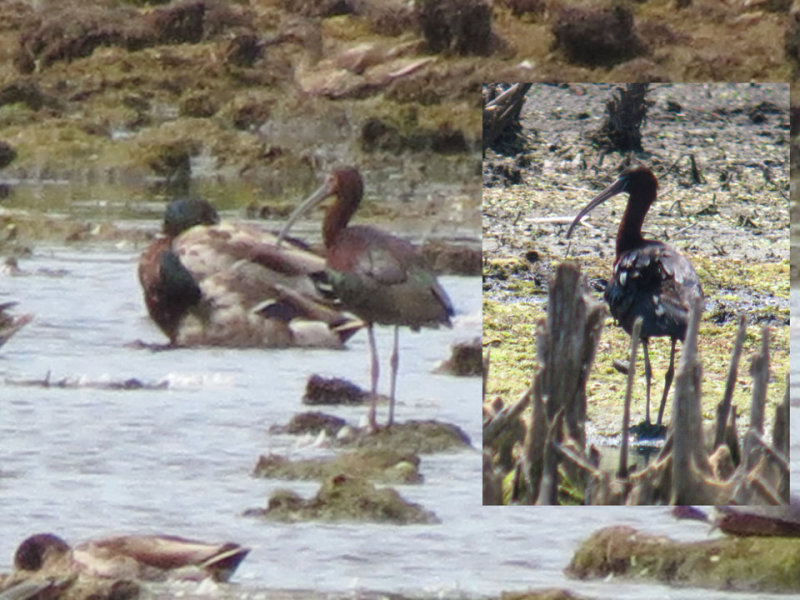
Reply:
x=326 y=190
x=618 y=187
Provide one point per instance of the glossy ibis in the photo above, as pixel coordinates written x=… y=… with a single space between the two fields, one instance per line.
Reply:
x=213 y=284
x=377 y=276
x=651 y=279
x=147 y=557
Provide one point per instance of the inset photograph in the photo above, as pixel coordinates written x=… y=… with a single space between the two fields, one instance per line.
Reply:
x=636 y=294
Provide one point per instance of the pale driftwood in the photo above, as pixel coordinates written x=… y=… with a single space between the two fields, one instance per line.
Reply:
x=548 y=489
x=780 y=428
x=760 y=372
x=551 y=220
x=535 y=443
x=723 y=409
x=487 y=358
x=689 y=455
x=505 y=431
x=622 y=471
x=492 y=482
x=500 y=422
x=566 y=347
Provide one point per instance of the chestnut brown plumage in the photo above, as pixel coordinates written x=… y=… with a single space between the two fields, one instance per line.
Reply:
x=377 y=276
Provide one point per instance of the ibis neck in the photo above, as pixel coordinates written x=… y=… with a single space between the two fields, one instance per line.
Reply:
x=337 y=218
x=629 y=235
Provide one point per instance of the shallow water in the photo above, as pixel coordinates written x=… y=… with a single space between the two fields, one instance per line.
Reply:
x=84 y=462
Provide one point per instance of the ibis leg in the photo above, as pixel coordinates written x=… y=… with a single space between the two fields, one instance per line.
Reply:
x=394 y=362
x=648 y=374
x=667 y=382
x=373 y=353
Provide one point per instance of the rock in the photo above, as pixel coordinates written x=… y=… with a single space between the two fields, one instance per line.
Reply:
x=466 y=359
x=346 y=498
x=335 y=390
x=313 y=423
x=415 y=437
x=46 y=586
x=381 y=465
x=745 y=564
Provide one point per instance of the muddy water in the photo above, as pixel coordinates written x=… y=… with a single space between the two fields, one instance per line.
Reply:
x=84 y=462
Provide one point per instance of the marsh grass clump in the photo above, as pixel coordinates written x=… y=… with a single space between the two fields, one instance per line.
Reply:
x=597 y=37
x=459 y=26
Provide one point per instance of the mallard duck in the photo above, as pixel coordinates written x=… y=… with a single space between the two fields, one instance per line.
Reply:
x=207 y=283
x=141 y=557
x=10 y=324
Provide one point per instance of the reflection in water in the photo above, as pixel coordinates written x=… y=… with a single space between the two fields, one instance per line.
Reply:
x=88 y=462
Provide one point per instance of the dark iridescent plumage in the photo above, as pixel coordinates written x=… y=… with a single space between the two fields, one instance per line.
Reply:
x=379 y=277
x=651 y=279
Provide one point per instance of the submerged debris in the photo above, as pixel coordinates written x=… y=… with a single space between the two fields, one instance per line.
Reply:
x=80 y=383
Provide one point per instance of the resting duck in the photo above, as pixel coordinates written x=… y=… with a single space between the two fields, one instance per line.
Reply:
x=213 y=284
x=743 y=521
x=9 y=324
x=140 y=557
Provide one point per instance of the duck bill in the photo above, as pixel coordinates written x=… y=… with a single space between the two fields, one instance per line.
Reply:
x=323 y=192
x=615 y=188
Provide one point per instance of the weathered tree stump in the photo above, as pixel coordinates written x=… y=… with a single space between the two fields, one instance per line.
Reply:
x=626 y=111
x=502 y=130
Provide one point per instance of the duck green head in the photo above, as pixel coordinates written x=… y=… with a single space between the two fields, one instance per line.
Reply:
x=185 y=213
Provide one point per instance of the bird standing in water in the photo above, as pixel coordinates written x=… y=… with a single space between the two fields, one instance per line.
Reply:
x=378 y=277
x=651 y=279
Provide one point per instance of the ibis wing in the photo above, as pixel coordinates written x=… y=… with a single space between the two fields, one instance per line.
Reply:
x=657 y=283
